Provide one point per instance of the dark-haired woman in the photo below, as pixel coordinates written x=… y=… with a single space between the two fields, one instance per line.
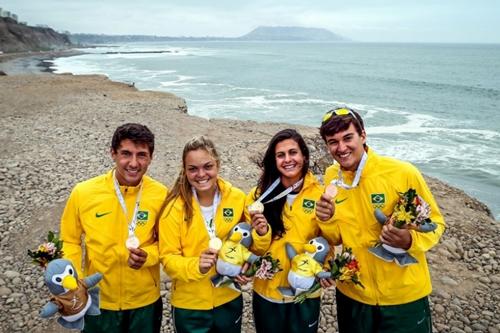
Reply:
x=289 y=192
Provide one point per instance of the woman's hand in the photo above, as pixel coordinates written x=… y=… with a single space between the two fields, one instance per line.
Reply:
x=241 y=278
x=327 y=283
x=208 y=258
x=259 y=223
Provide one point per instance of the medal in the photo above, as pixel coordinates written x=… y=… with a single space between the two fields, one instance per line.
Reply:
x=256 y=208
x=357 y=176
x=331 y=190
x=132 y=242
x=215 y=243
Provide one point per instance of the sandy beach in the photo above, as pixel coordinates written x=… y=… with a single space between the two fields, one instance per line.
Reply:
x=56 y=131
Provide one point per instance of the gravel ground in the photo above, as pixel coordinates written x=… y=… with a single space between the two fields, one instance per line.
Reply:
x=56 y=130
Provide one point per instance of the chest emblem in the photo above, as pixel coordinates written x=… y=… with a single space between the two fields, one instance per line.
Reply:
x=227 y=214
x=142 y=217
x=378 y=200
x=308 y=206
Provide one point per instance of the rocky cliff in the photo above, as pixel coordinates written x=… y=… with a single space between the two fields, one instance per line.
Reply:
x=15 y=37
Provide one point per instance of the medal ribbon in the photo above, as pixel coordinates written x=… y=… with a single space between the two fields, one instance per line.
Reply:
x=357 y=176
x=210 y=225
x=282 y=194
x=133 y=223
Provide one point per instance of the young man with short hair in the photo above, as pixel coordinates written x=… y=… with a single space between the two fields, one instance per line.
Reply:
x=395 y=298
x=114 y=216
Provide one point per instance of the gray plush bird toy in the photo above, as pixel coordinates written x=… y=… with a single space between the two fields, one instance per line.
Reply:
x=233 y=254
x=399 y=256
x=306 y=267
x=71 y=297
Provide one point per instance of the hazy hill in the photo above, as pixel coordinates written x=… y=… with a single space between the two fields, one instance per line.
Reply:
x=258 y=34
x=15 y=37
x=291 y=34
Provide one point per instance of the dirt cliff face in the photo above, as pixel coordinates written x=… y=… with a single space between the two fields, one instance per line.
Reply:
x=15 y=37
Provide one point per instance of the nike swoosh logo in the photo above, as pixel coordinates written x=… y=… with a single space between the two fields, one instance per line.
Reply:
x=420 y=321
x=102 y=214
x=237 y=320
x=337 y=201
x=311 y=325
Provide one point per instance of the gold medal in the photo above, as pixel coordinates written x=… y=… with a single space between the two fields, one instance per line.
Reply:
x=132 y=242
x=256 y=208
x=215 y=243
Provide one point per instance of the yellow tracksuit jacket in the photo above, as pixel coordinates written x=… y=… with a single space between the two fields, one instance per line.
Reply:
x=354 y=225
x=301 y=225
x=181 y=244
x=93 y=210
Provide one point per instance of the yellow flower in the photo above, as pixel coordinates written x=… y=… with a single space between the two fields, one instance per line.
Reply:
x=42 y=248
x=346 y=274
x=403 y=216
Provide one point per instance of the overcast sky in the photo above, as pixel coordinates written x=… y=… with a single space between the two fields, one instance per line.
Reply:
x=461 y=21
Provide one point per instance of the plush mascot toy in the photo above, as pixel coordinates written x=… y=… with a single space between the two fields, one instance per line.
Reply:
x=306 y=267
x=389 y=253
x=233 y=254
x=71 y=297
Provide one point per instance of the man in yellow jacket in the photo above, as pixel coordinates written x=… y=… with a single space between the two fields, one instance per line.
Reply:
x=395 y=298
x=112 y=217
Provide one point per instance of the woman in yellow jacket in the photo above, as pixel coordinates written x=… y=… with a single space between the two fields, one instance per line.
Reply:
x=199 y=212
x=289 y=211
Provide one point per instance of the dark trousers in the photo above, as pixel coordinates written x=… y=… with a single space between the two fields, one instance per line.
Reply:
x=146 y=319
x=272 y=317
x=225 y=318
x=356 y=317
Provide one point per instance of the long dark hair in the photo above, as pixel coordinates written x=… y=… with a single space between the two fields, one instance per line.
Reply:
x=273 y=210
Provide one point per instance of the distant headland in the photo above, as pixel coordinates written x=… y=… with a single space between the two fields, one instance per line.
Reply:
x=262 y=33
x=20 y=37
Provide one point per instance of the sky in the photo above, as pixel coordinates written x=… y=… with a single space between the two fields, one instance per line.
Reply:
x=449 y=21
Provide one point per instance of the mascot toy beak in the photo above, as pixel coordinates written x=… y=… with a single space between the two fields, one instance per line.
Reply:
x=236 y=237
x=69 y=282
x=310 y=248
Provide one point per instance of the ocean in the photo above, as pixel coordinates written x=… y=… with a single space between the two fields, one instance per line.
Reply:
x=435 y=105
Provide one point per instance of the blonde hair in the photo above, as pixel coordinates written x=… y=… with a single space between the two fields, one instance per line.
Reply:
x=182 y=188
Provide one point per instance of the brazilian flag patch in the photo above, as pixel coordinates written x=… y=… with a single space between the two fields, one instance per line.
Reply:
x=308 y=205
x=378 y=200
x=142 y=217
x=228 y=214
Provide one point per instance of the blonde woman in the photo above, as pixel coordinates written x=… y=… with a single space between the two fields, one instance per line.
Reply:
x=199 y=212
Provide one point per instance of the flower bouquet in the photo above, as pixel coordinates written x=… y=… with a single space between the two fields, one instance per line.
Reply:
x=50 y=250
x=344 y=268
x=410 y=212
x=264 y=268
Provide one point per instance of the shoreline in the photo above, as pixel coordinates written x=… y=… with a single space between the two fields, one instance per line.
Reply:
x=41 y=62
x=56 y=130
x=32 y=62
